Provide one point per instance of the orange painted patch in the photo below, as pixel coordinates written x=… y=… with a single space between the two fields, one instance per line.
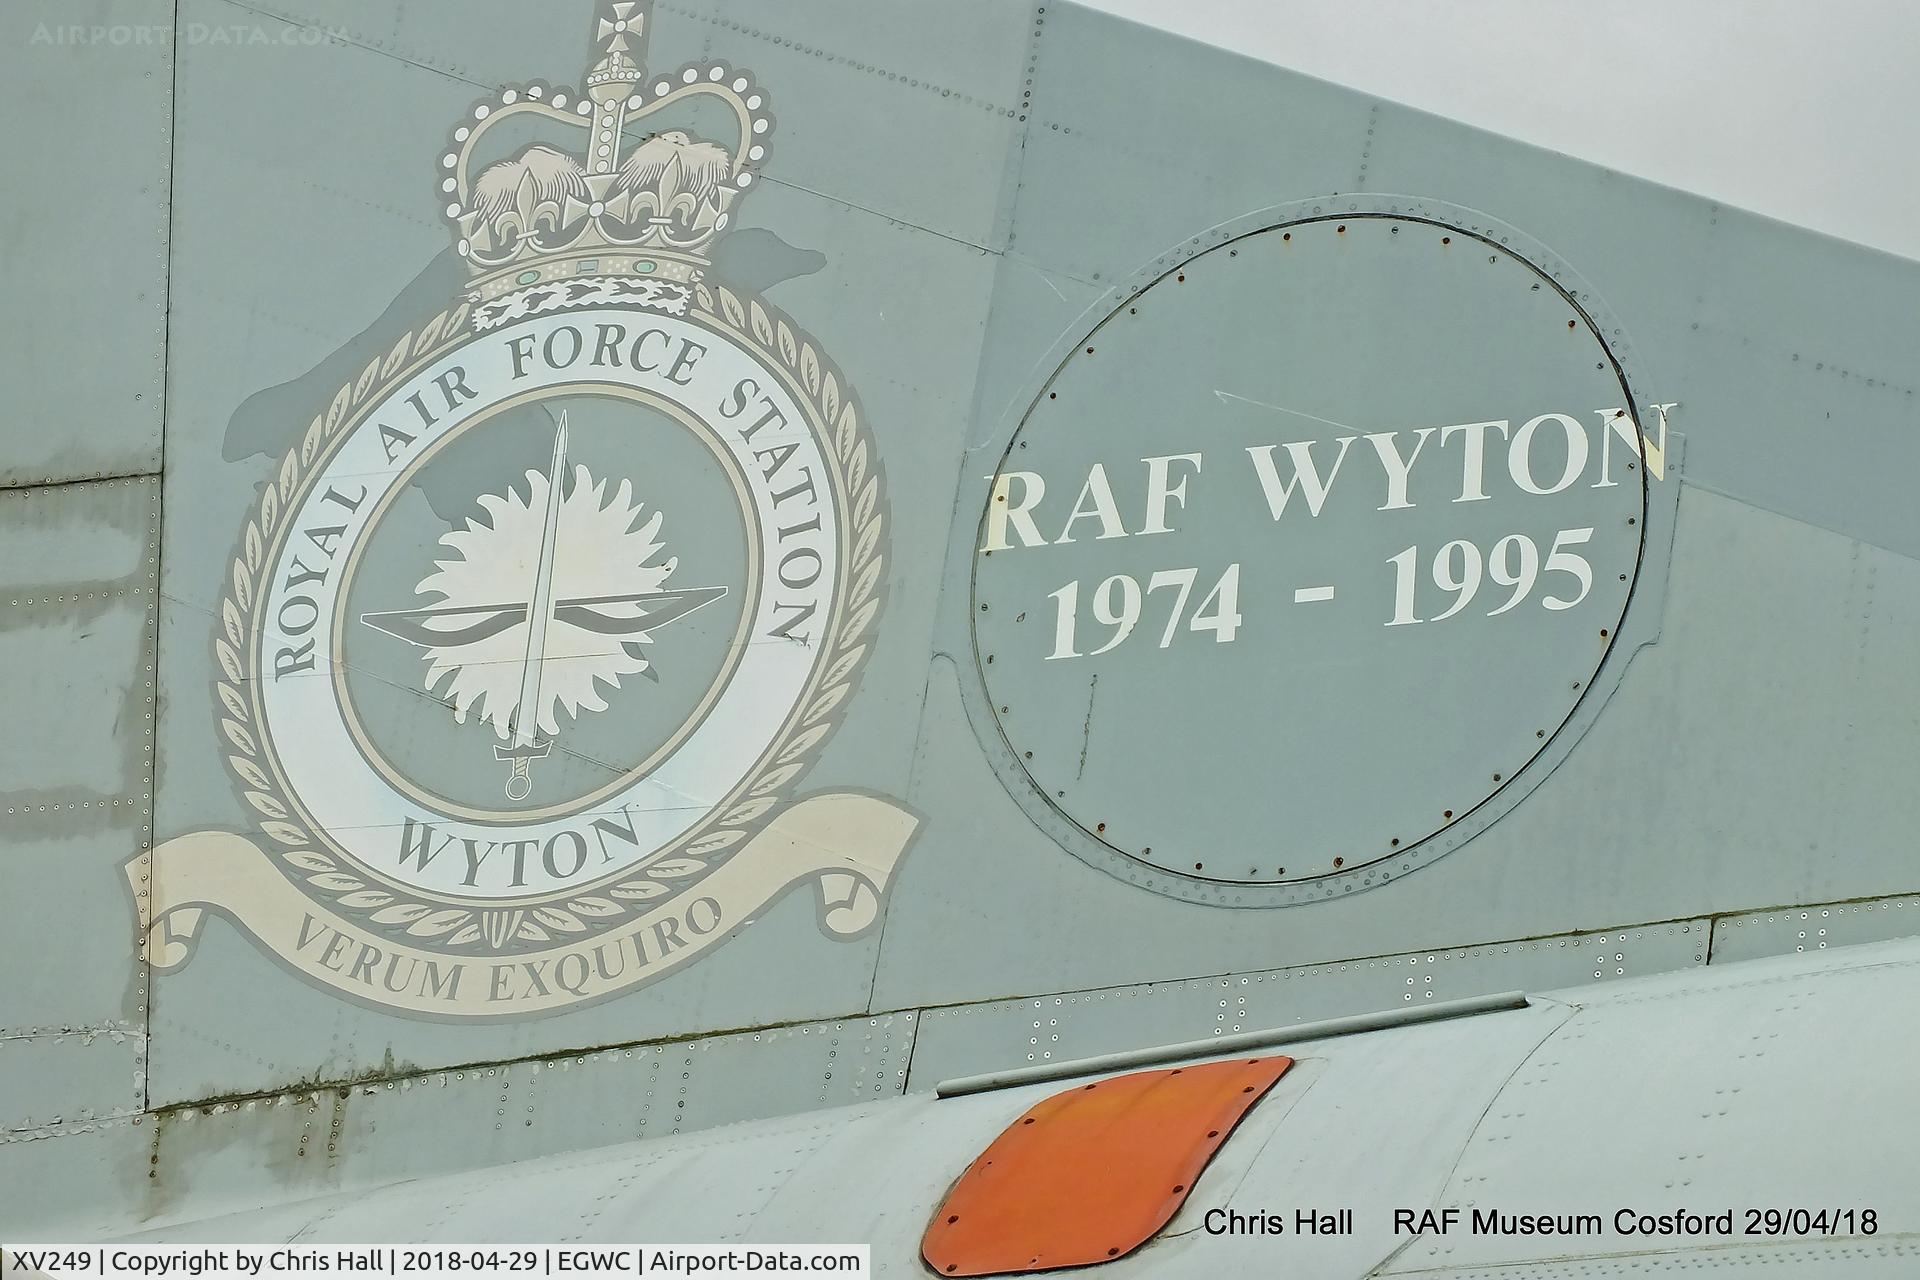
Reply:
x=1092 y=1173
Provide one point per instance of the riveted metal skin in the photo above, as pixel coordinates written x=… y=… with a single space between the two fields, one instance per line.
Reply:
x=79 y=607
x=1791 y=930
x=1092 y=1173
x=112 y=77
x=224 y=215
x=1535 y=1107
x=1299 y=324
x=1000 y=1035
x=1245 y=1042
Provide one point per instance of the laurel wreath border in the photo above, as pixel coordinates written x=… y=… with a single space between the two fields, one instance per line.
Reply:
x=497 y=930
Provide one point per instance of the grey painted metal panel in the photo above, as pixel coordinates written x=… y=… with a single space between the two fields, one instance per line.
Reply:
x=940 y=86
x=1822 y=1260
x=270 y=276
x=77 y=597
x=84 y=370
x=931 y=365
x=53 y=1081
x=209 y=1045
x=1791 y=930
x=860 y=276
x=1001 y=1035
x=77 y=606
x=1758 y=1068
x=1310 y=1158
x=1697 y=762
x=1801 y=424
x=1110 y=176
x=1756 y=754
x=1738 y=312
x=66 y=974
x=63 y=1184
x=694 y=1181
x=1334 y=705
x=1032 y=307
x=245 y=1154
x=1237 y=1043
x=482 y=45
x=874 y=1173
x=205 y=1047
x=1561 y=1105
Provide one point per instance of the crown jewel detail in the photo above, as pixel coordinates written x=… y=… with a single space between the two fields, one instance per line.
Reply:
x=630 y=201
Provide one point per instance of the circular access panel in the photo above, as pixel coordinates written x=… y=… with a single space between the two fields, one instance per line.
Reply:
x=1304 y=554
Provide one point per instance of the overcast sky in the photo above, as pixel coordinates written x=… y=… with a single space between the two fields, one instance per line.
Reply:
x=1805 y=110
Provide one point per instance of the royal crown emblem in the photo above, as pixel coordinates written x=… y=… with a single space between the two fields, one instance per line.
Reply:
x=544 y=749
x=629 y=199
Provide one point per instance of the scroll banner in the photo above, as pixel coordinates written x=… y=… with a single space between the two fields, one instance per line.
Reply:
x=846 y=845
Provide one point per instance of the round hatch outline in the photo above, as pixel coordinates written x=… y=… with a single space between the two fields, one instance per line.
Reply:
x=1625 y=637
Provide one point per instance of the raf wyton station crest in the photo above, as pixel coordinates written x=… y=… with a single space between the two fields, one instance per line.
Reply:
x=550 y=753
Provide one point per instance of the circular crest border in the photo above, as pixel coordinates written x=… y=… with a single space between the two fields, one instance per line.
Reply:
x=301 y=849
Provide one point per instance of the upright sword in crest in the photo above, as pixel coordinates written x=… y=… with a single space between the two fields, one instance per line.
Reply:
x=627 y=616
x=527 y=745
